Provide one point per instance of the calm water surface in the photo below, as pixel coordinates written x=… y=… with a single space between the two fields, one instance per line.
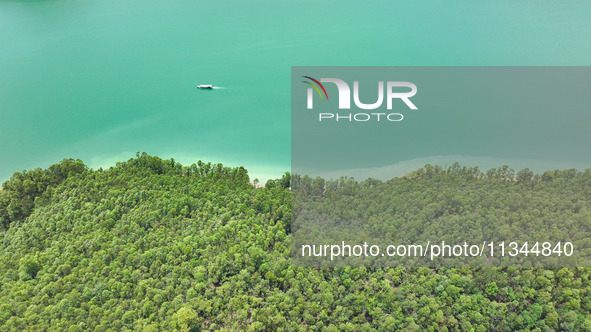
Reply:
x=100 y=80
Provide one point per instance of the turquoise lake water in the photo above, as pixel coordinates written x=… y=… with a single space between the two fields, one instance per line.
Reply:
x=100 y=80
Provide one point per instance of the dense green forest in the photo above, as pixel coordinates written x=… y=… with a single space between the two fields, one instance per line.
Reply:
x=458 y=204
x=151 y=245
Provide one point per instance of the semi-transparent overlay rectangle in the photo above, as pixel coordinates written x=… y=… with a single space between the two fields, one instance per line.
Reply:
x=375 y=180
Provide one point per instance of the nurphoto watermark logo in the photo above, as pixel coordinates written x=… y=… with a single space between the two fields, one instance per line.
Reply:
x=392 y=92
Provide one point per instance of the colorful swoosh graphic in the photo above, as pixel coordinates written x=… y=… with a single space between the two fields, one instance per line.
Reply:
x=314 y=86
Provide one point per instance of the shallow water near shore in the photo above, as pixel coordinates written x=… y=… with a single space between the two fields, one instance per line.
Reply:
x=101 y=80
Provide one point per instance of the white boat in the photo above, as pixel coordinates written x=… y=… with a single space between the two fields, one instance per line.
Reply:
x=205 y=86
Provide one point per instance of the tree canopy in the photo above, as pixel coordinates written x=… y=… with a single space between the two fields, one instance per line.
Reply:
x=151 y=245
